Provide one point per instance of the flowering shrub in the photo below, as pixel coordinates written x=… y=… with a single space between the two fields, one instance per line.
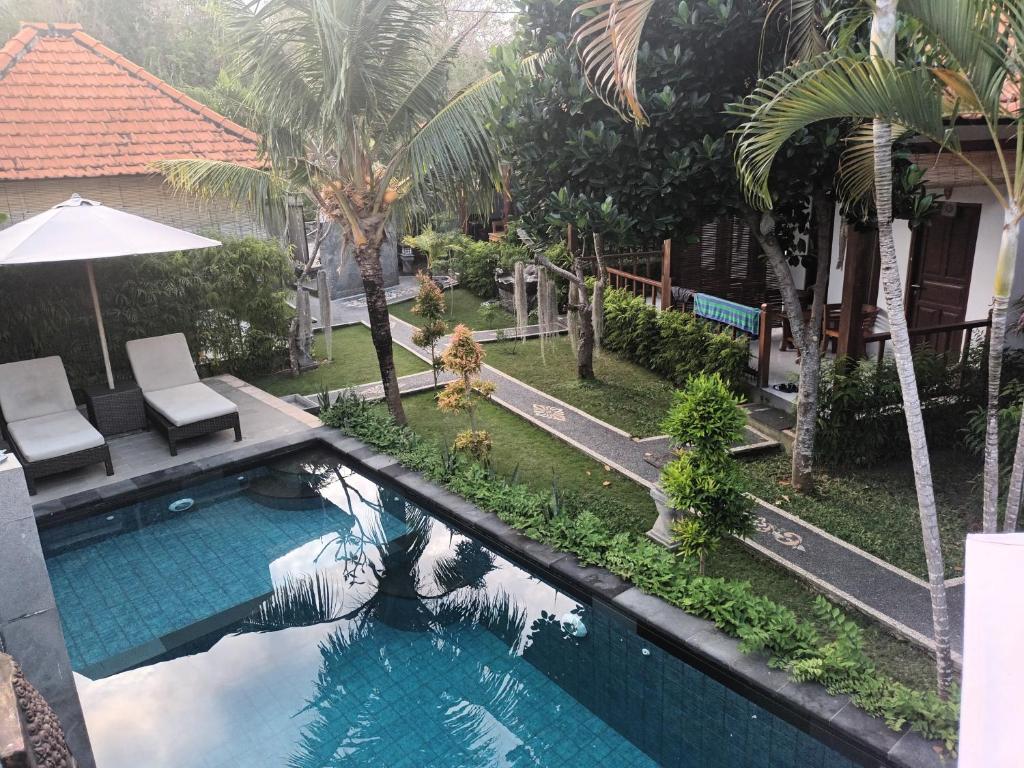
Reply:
x=465 y=357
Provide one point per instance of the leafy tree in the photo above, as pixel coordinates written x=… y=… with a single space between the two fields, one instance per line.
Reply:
x=351 y=100
x=181 y=42
x=430 y=305
x=670 y=177
x=594 y=221
x=705 y=421
x=465 y=357
x=672 y=169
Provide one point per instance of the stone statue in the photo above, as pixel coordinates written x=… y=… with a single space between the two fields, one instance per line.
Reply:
x=24 y=712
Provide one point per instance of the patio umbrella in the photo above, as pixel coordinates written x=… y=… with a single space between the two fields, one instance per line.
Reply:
x=84 y=230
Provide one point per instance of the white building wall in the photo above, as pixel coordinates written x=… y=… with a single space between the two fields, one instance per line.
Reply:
x=990 y=229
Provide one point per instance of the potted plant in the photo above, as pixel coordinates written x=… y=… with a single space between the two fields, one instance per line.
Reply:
x=700 y=498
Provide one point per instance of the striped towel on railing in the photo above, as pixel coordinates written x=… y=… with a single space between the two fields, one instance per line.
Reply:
x=746 y=319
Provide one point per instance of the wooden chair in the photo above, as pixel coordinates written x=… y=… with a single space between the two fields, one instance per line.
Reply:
x=830 y=331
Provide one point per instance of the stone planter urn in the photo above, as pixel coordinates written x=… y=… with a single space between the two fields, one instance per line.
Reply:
x=661 y=531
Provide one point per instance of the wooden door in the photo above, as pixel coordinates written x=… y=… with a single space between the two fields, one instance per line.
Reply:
x=941 y=259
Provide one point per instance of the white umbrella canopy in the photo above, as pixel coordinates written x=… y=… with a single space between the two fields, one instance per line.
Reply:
x=83 y=230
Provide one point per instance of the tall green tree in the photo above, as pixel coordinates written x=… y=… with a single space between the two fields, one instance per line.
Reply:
x=352 y=102
x=613 y=42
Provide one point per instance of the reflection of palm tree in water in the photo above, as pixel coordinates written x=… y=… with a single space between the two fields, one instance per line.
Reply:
x=379 y=585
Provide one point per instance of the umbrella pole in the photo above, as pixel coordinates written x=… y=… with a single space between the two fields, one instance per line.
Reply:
x=99 y=322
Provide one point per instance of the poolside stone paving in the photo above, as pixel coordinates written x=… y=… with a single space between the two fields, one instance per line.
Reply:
x=898 y=600
x=263 y=416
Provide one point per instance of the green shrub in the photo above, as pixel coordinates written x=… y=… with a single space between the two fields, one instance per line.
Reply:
x=677 y=345
x=860 y=406
x=228 y=301
x=836 y=660
x=706 y=421
x=473 y=260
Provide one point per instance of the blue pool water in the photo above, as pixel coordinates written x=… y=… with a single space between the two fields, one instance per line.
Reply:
x=300 y=615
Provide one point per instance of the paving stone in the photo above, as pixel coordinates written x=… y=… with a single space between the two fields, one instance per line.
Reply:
x=671 y=621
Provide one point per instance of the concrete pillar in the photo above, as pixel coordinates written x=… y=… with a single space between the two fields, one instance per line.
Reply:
x=30 y=628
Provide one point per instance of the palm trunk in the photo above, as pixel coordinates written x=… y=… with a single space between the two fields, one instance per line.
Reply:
x=1013 y=494
x=1000 y=299
x=368 y=258
x=883 y=44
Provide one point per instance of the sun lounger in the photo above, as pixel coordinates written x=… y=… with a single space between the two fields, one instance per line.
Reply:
x=176 y=401
x=44 y=428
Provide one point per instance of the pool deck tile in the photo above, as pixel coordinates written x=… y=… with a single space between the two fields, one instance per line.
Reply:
x=605 y=584
x=669 y=620
x=912 y=751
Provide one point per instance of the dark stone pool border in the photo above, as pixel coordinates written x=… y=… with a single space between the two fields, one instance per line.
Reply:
x=832 y=720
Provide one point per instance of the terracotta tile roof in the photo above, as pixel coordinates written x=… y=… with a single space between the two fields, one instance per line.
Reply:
x=70 y=108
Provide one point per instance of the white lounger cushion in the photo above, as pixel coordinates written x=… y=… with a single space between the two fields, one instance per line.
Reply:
x=56 y=434
x=31 y=388
x=161 y=362
x=189 y=403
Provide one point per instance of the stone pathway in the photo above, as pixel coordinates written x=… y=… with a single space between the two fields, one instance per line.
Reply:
x=895 y=598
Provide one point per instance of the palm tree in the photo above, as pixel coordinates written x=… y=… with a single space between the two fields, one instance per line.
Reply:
x=976 y=66
x=351 y=100
x=972 y=43
x=372 y=580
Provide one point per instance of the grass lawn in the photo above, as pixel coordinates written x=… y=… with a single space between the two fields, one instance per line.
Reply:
x=540 y=457
x=355 y=362
x=624 y=395
x=463 y=307
x=876 y=509
x=541 y=460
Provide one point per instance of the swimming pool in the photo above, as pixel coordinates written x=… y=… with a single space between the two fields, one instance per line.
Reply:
x=300 y=614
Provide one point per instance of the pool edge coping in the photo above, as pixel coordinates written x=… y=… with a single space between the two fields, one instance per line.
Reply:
x=833 y=720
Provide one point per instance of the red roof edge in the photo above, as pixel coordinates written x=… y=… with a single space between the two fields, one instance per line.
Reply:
x=17 y=45
x=90 y=42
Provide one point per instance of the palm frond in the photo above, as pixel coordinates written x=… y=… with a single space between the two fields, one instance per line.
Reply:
x=857 y=163
x=261 y=190
x=300 y=602
x=846 y=87
x=421 y=99
x=970 y=38
x=802 y=21
x=455 y=147
x=608 y=44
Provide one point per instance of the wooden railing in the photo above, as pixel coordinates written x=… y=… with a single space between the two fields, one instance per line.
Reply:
x=952 y=335
x=764 y=343
x=659 y=290
x=645 y=287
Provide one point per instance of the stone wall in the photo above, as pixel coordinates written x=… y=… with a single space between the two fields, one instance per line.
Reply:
x=30 y=628
x=339 y=261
